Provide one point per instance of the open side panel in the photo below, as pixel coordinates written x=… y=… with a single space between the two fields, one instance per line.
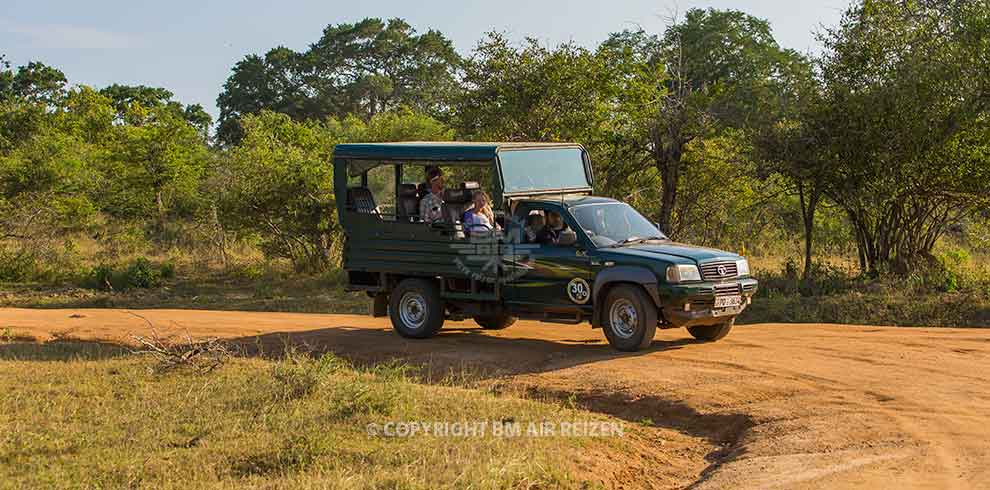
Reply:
x=544 y=170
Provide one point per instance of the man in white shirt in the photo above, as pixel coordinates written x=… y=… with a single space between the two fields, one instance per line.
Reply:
x=431 y=205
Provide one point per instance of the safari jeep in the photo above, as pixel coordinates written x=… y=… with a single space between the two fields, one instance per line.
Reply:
x=609 y=265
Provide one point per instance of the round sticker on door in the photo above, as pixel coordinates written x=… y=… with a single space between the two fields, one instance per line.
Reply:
x=579 y=291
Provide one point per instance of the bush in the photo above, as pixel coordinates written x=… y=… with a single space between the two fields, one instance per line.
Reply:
x=139 y=274
x=944 y=273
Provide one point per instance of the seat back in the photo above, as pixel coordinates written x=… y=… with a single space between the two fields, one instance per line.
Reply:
x=361 y=200
x=455 y=201
x=408 y=200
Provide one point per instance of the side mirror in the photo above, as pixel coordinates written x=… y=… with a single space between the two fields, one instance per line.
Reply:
x=657 y=224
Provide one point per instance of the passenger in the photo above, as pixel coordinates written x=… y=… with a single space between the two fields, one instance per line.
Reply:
x=550 y=234
x=431 y=205
x=534 y=225
x=480 y=217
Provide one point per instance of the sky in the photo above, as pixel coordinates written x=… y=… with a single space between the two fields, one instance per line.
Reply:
x=190 y=46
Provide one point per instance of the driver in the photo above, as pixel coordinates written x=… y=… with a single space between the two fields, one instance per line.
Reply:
x=431 y=205
x=550 y=234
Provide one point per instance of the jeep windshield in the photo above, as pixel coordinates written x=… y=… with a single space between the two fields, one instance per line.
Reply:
x=615 y=224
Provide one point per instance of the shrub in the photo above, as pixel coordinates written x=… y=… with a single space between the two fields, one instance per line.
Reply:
x=139 y=274
x=101 y=277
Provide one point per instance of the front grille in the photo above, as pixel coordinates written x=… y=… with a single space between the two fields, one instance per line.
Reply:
x=715 y=271
x=727 y=289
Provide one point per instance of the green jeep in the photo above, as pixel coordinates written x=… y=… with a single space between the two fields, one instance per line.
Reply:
x=603 y=262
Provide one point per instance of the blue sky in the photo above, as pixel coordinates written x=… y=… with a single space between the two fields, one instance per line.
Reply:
x=189 y=46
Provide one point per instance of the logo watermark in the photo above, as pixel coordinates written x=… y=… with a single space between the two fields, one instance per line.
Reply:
x=494 y=256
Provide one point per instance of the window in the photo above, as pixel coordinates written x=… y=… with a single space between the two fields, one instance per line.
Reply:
x=381 y=182
x=543 y=169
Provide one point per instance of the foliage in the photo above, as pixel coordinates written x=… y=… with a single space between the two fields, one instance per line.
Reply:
x=903 y=123
x=124 y=97
x=360 y=69
x=140 y=273
x=879 y=147
x=714 y=70
x=278 y=182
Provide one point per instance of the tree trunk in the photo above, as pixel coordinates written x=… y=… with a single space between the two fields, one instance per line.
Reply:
x=668 y=163
x=809 y=205
x=160 y=204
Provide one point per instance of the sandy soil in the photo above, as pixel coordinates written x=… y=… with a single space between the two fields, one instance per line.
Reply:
x=771 y=406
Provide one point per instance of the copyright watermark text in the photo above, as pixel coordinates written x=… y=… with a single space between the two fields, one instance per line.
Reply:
x=495 y=428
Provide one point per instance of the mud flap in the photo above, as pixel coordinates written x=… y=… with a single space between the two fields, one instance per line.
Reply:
x=379 y=305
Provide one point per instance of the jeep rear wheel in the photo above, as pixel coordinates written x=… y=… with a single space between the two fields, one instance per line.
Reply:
x=494 y=322
x=711 y=333
x=416 y=309
x=630 y=318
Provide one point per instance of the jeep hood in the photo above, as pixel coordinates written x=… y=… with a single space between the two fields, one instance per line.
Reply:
x=673 y=249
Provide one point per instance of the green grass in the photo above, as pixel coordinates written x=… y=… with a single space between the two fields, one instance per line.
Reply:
x=90 y=415
x=958 y=296
x=210 y=290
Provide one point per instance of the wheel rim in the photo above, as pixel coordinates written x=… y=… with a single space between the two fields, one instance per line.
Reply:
x=623 y=318
x=412 y=310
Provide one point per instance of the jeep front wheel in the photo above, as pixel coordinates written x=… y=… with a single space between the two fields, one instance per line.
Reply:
x=494 y=322
x=630 y=318
x=416 y=309
x=711 y=333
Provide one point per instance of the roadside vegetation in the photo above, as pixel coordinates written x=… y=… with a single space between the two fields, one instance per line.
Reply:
x=109 y=418
x=855 y=179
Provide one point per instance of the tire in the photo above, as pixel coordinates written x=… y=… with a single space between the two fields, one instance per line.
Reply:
x=494 y=322
x=416 y=309
x=630 y=318
x=711 y=333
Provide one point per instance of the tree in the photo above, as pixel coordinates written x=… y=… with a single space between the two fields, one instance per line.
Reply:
x=531 y=93
x=278 y=183
x=34 y=83
x=714 y=69
x=157 y=165
x=362 y=69
x=788 y=144
x=124 y=97
x=904 y=123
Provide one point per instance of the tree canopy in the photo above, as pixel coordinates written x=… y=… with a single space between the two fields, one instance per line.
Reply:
x=360 y=69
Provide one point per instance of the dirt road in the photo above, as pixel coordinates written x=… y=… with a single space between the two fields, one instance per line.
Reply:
x=771 y=406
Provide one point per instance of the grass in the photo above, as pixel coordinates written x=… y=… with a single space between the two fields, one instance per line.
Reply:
x=213 y=290
x=90 y=415
x=958 y=295
x=950 y=294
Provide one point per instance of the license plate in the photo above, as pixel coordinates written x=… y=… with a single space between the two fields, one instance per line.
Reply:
x=728 y=301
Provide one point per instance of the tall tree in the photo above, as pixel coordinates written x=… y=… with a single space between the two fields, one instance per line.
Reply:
x=363 y=69
x=713 y=69
x=531 y=93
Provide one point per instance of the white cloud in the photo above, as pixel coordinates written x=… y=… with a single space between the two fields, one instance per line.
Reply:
x=66 y=36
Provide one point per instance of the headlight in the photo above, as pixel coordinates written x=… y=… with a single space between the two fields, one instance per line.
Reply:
x=742 y=267
x=683 y=273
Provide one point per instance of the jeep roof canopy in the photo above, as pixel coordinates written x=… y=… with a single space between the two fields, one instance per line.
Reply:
x=520 y=168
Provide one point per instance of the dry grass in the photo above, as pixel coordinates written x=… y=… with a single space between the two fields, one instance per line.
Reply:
x=99 y=419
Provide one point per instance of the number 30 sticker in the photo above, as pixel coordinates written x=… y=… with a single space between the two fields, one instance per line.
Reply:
x=579 y=291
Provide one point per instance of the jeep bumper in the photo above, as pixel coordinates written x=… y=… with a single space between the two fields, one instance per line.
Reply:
x=687 y=305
